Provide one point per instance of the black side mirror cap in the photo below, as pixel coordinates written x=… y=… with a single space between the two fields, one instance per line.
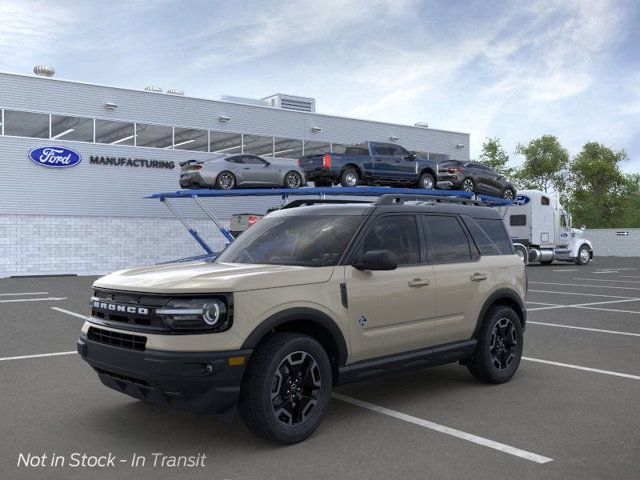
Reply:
x=378 y=260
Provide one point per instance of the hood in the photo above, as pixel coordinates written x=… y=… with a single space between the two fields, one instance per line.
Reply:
x=206 y=277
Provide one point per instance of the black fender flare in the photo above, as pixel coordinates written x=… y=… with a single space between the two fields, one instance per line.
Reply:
x=495 y=297
x=296 y=314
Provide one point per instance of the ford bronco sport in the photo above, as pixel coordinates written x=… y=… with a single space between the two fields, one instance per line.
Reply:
x=309 y=298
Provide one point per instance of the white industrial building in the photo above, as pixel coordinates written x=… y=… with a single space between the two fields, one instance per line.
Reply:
x=92 y=218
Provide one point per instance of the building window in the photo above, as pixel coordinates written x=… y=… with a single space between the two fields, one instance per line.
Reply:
x=190 y=139
x=226 y=143
x=258 y=145
x=287 y=148
x=26 y=124
x=157 y=136
x=72 y=128
x=316 y=148
x=114 y=133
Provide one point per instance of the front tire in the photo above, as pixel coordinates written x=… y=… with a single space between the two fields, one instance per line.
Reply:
x=225 y=180
x=584 y=255
x=500 y=345
x=426 y=182
x=287 y=388
x=509 y=194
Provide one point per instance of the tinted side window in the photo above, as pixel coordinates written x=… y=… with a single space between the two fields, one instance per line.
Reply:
x=545 y=200
x=518 y=220
x=381 y=150
x=447 y=240
x=397 y=151
x=495 y=240
x=235 y=159
x=253 y=160
x=398 y=234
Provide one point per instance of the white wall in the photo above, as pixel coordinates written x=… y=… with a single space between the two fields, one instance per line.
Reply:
x=607 y=242
x=51 y=245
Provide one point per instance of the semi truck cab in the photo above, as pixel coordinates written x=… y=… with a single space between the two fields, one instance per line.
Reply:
x=541 y=229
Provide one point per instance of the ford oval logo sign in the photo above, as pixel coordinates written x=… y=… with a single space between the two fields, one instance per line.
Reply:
x=55 y=157
x=521 y=200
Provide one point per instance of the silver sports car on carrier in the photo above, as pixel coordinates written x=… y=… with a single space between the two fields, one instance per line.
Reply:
x=240 y=170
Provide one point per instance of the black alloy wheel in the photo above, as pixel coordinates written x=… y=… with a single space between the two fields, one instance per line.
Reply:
x=508 y=194
x=296 y=388
x=504 y=343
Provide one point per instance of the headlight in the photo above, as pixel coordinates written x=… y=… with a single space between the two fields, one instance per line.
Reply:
x=198 y=314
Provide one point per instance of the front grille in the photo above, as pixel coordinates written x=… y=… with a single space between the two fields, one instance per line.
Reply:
x=117 y=339
x=142 y=316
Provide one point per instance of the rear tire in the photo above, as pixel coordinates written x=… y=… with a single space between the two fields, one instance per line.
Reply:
x=426 y=182
x=287 y=388
x=225 y=180
x=500 y=345
x=292 y=180
x=349 y=178
x=468 y=185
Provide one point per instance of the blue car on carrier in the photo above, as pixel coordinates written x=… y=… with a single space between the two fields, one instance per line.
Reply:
x=372 y=163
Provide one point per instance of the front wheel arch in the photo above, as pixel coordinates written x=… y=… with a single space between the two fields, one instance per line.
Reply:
x=307 y=321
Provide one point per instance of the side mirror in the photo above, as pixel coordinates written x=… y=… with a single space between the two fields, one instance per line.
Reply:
x=410 y=156
x=583 y=227
x=378 y=260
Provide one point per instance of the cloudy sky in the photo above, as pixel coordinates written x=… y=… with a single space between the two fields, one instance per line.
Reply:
x=515 y=70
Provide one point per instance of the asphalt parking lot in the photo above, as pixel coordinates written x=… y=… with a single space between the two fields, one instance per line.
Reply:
x=571 y=411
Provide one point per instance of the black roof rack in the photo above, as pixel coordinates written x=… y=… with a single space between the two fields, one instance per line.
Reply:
x=391 y=199
x=319 y=201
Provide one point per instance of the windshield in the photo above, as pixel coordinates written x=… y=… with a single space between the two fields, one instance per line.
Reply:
x=309 y=241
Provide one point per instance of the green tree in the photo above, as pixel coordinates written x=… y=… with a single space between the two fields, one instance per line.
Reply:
x=631 y=217
x=545 y=164
x=495 y=157
x=600 y=194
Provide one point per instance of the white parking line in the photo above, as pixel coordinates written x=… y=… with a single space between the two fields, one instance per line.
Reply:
x=485 y=442
x=604 y=280
x=608 y=309
x=579 y=367
x=48 y=299
x=579 y=294
x=586 y=305
x=615 y=332
x=566 y=270
x=23 y=357
x=590 y=286
x=22 y=293
x=73 y=314
x=541 y=303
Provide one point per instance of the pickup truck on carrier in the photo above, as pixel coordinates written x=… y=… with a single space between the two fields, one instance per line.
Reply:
x=372 y=163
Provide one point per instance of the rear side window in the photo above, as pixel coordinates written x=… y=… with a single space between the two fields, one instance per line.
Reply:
x=518 y=220
x=448 y=242
x=496 y=233
x=398 y=234
x=356 y=151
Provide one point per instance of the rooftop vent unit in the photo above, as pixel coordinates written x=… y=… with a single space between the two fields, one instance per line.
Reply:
x=44 y=71
x=243 y=100
x=422 y=124
x=153 y=88
x=175 y=91
x=291 y=102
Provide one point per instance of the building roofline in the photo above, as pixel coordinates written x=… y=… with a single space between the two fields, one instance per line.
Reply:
x=229 y=102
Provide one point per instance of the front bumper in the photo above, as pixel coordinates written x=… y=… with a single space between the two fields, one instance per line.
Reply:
x=198 y=382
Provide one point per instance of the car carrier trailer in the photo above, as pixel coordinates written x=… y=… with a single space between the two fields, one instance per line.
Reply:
x=320 y=193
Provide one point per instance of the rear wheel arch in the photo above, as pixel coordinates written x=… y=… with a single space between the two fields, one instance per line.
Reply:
x=502 y=297
x=355 y=167
x=307 y=321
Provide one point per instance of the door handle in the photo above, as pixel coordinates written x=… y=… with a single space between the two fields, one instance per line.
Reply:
x=246 y=168
x=478 y=277
x=418 y=282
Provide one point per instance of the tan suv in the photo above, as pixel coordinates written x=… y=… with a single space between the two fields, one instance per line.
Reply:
x=308 y=298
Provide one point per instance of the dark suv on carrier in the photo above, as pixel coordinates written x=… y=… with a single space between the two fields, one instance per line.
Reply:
x=476 y=177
